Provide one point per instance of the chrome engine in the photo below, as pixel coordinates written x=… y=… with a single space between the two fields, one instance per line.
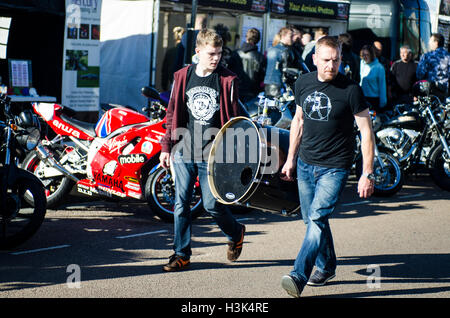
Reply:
x=401 y=141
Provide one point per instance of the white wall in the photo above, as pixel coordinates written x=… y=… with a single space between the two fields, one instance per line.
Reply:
x=125 y=36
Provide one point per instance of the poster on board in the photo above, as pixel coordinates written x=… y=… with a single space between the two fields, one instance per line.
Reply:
x=81 y=58
x=249 y=22
x=275 y=27
x=20 y=73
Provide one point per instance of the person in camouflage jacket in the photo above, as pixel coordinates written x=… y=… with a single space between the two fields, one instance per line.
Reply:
x=434 y=66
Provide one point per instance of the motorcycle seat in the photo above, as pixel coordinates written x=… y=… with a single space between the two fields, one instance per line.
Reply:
x=88 y=128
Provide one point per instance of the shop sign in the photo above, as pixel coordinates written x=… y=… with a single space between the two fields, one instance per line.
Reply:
x=244 y=5
x=81 y=62
x=310 y=8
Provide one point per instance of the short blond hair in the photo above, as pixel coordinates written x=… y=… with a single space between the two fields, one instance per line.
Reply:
x=329 y=41
x=283 y=31
x=209 y=37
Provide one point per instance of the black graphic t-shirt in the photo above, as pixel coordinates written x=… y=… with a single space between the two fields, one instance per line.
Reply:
x=328 y=107
x=202 y=99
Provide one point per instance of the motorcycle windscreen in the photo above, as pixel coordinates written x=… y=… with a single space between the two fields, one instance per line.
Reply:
x=234 y=160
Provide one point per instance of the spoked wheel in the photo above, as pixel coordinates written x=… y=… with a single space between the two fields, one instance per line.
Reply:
x=389 y=176
x=160 y=195
x=56 y=186
x=18 y=221
x=440 y=168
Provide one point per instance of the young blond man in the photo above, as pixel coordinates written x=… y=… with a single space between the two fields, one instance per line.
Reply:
x=204 y=97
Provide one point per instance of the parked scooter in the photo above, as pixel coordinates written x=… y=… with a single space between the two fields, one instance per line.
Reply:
x=117 y=157
x=18 y=222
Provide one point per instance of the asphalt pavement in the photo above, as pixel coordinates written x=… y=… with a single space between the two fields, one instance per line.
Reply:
x=395 y=247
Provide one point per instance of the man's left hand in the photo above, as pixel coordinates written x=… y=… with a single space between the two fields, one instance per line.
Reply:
x=365 y=187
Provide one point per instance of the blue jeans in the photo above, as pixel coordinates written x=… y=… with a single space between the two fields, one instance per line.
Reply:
x=185 y=176
x=319 y=190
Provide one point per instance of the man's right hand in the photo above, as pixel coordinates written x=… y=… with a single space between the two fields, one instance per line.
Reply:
x=164 y=160
x=287 y=172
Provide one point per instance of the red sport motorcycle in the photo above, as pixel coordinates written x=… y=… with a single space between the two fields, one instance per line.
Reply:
x=118 y=157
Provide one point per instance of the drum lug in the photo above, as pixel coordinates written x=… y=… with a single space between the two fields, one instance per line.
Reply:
x=262 y=181
x=247 y=205
x=286 y=213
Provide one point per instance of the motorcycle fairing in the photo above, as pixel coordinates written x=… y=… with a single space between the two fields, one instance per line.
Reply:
x=116 y=118
x=117 y=162
x=60 y=124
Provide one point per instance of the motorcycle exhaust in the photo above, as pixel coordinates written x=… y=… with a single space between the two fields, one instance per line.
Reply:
x=46 y=157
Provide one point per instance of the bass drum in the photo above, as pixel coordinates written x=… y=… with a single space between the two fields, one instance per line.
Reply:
x=244 y=165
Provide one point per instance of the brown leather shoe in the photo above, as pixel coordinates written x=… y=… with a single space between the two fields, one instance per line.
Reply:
x=235 y=248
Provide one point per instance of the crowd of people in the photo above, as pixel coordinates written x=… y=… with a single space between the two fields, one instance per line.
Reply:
x=384 y=83
x=205 y=95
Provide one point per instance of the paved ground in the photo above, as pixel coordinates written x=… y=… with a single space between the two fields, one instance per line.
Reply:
x=386 y=247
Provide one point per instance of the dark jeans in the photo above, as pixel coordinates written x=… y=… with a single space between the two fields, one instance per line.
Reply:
x=185 y=176
x=319 y=189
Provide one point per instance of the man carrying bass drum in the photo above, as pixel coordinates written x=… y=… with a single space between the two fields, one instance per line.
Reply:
x=204 y=97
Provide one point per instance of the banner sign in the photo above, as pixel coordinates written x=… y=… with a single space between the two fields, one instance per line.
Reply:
x=311 y=8
x=81 y=62
x=244 y=5
x=249 y=22
x=307 y=8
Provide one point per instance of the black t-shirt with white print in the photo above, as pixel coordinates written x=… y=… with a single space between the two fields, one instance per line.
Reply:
x=202 y=100
x=328 y=137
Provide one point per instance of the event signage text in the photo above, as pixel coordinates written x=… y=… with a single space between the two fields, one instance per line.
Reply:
x=244 y=5
x=309 y=8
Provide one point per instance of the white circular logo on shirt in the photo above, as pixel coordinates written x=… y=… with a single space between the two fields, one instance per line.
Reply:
x=202 y=101
x=317 y=106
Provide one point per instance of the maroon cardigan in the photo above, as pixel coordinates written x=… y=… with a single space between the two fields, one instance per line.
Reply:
x=177 y=114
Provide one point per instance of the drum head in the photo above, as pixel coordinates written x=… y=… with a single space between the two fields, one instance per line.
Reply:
x=234 y=160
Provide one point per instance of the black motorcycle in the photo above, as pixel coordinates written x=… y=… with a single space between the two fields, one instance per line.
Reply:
x=19 y=134
x=419 y=136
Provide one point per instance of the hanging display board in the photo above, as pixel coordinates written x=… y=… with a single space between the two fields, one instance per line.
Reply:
x=249 y=22
x=81 y=62
x=275 y=27
x=20 y=73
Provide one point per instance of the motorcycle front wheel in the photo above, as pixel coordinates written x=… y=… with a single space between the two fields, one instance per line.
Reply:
x=389 y=176
x=56 y=187
x=18 y=221
x=440 y=169
x=160 y=196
